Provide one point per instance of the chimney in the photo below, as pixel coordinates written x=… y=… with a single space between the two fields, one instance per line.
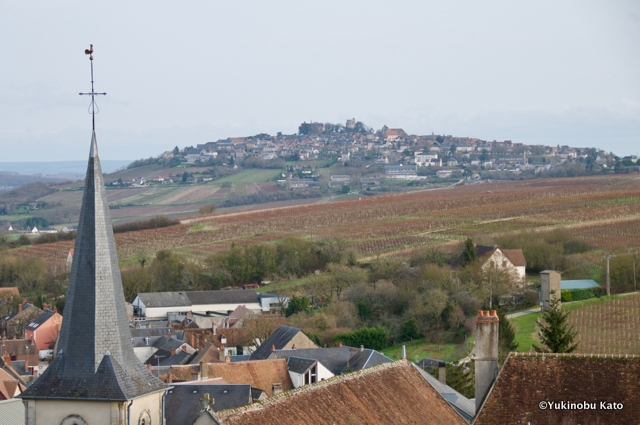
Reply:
x=26 y=364
x=19 y=308
x=273 y=347
x=204 y=370
x=173 y=352
x=227 y=359
x=221 y=357
x=549 y=281
x=55 y=310
x=169 y=378
x=276 y=389
x=293 y=347
x=193 y=341
x=486 y=350
x=7 y=360
x=442 y=372
x=404 y=352
x=340 y=344
x=361 y=348
x=45 y=306
x=149 y=367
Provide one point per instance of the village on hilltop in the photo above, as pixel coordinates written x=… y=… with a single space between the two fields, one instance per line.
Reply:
x=398 y=156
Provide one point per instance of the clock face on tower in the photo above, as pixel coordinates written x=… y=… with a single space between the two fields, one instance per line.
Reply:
x=145 y=418
x=73 y=420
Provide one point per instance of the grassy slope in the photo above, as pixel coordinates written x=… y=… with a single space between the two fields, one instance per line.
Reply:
x=417 y=350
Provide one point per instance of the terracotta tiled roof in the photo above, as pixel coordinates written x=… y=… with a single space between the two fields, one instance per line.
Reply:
x=208 y=354
x=11 y=387
x=527 y=380
x=516 y=256
x=260 y=374
x=393 y=393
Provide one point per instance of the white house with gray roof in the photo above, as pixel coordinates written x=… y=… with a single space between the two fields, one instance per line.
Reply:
x=157 y=305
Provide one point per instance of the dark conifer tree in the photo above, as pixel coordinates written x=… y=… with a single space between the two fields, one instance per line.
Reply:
x=506 y=337
x=554 y=330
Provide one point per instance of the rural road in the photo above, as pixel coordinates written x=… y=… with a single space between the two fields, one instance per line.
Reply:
x=522 y=313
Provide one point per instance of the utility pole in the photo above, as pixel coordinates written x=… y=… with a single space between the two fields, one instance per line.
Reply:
x=635 y=286
x=608 y=257
x=490 y=289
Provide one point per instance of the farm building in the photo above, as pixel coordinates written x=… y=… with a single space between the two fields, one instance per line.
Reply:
x=157 y=305
x=569 y=285
x=550 y=280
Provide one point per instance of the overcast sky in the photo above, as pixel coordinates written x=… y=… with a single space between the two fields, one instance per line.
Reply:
x=182 y=73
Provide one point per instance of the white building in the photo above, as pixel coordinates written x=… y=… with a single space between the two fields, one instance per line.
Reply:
x=156 y=305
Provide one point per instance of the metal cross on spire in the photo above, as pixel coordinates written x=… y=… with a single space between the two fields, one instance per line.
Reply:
x=93 y=107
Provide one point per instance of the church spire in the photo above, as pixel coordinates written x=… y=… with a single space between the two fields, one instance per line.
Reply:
x=95 y=358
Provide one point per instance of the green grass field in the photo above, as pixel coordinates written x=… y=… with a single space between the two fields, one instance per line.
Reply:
x=253 y=175
x=417 y=350
x=290 y=284
x=526 y=331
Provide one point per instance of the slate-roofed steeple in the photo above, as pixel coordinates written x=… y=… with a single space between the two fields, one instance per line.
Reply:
x=95 y=358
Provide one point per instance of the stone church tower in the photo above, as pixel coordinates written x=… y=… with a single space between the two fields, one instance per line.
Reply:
x=95 y=377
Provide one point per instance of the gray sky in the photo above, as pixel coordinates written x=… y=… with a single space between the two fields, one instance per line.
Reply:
x=181 y=73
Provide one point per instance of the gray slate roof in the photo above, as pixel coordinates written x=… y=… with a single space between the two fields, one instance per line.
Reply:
x=237 y=296
x=465 y=407
x=95 y=341
x=299 y=365
x=35 y=323
x=240 y=358
x=182 y=403
x=367 y=358
x=189 y=298
x=164 y=343
x=335 y=359
x=164 y=299
x=279 y=338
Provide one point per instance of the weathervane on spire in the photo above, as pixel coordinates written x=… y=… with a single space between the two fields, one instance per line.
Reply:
x=93 y=107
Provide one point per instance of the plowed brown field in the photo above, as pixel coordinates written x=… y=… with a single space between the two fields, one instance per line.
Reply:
x=603 y=211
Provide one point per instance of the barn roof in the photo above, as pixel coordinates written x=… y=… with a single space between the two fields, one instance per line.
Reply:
x=164 y=299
